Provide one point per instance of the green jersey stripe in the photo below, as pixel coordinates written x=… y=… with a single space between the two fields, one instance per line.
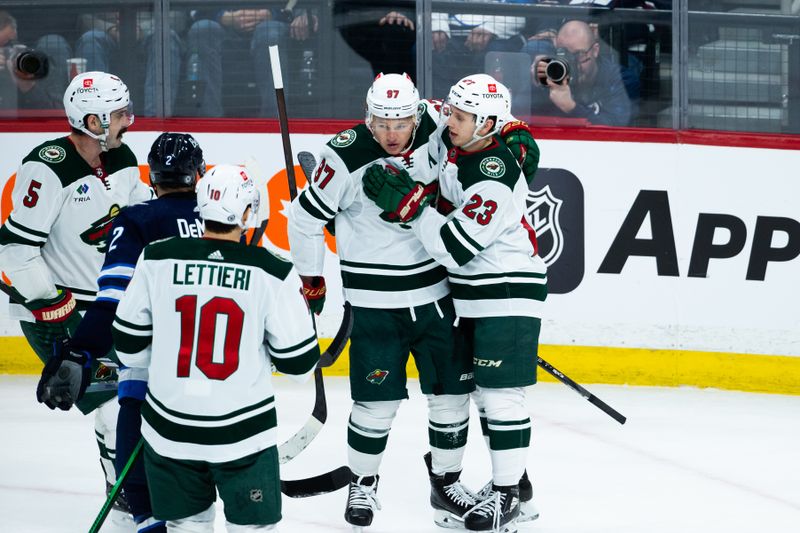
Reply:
x=309 y=208
x=384 y=266
x=210 y=418
x=25 y=229
x=391 y=283
x=496 y=275
x=320 y=203
x=298 y=365
x=498 y=291
x=459 y=252
x=294 y=347
x=472 y=243
x=9 y=237
x=130 y=344
x=218 y=435
x=130 y=325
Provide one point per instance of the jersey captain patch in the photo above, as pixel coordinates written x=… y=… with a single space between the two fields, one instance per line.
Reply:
x=52 y=154
x=343 y=139
x=493 y=167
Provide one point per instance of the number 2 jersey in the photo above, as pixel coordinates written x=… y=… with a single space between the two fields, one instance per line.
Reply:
x=486 y=243
x=207 y=317
x=63 y=211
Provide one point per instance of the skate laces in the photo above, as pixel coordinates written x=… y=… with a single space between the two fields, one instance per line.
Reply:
x=364 y=496
x=460 y=495
x=491 y=505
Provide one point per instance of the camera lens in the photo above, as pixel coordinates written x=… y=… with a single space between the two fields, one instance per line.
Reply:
x=32 y=63
x=556 y=70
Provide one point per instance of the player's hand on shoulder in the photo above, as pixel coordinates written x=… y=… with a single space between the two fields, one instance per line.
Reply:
x=395 y=192
x=65 y=376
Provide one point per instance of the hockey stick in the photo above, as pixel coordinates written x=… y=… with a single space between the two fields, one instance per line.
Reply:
x=307 y=163
x=603 y=406
x=319 y=413
x=321 y=484
x=115 y=490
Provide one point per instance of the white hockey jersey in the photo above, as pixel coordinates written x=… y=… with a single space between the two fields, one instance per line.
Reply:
x=207 y=317
x=63 y=211
x=382 y=263
x=485 y=242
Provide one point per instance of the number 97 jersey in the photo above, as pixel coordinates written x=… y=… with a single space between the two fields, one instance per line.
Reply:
x=207 y=317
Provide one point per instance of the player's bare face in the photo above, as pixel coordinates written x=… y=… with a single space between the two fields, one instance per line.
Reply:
x=393 y=134
x=121 y=119
x=461 y=125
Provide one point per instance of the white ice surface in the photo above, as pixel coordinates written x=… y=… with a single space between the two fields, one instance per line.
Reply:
x=687 y=461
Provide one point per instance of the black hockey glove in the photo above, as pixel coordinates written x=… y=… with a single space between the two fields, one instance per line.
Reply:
x=396 y=193
x=64 y=377
x=518 y=137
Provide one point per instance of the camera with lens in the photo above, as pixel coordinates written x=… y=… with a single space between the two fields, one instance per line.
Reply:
x=558 y=68
x=27 y=63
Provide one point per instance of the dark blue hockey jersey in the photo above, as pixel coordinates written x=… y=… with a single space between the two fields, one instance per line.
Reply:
x=134 y=228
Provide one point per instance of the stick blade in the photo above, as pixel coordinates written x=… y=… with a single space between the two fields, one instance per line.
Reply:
x=320 y=484
x=307 y=162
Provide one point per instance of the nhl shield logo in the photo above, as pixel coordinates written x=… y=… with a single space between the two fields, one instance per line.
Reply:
x=544 y=211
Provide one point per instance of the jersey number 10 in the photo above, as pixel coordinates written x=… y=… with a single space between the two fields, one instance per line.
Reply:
x=201 y=343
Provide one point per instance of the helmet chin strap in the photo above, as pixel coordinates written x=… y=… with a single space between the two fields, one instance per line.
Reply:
x=101 y=138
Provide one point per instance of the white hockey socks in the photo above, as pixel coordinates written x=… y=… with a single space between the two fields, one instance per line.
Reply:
x=448 y=422
x=367 y=434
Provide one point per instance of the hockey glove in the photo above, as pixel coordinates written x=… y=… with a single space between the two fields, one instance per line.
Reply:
x=395 y=192
x=519 y=138
x=55 y=317
x=64 y=377
x=314 y=290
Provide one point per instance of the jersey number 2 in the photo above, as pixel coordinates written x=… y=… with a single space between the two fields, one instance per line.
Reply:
x=202 y=343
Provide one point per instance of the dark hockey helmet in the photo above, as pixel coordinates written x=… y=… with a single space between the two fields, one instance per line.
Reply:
x=175 y=159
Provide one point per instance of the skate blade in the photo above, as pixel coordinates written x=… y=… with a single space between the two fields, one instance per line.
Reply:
x=447 y=520
x=527 y=512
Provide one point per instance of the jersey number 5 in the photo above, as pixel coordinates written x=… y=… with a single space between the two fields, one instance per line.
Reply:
x=201 y=344
x=479 y=210
x=32 y=197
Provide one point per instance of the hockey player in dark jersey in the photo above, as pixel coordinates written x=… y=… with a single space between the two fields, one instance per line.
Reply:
x=176 y=162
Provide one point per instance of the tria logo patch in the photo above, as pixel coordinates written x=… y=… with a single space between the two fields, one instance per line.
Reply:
x=377 y=376
x=216 y=255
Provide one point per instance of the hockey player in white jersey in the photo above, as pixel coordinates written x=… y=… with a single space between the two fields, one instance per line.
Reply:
x=207 y=317
x=498 y=281
x=399 y=295
x=66 y=195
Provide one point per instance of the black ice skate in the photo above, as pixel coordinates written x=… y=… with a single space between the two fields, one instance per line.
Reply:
x=497 y=512
x=527 y=510
x=450 y=499
x=362 y=501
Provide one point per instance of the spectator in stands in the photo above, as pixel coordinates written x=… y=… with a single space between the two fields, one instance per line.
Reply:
x=251 y=29
x=593 y=90
x=380 y=32
x=461 y=41
x=101 y=45
x=41 y=88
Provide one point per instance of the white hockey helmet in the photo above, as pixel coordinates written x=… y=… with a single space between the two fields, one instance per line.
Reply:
x=392 y=96
x=95 y=93
x=484 y=97
x=225 y=193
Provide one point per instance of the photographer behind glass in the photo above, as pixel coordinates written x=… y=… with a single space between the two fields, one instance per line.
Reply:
x=26 y=77
x=571 y=78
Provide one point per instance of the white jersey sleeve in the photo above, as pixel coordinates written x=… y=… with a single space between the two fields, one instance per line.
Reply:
x=37 y=199
x=331 y=189
x=290 y=330
x=133 y=324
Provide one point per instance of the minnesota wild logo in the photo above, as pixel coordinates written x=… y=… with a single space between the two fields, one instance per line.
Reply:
x=493 y=167
x=98 y=231
x=345 y=138
x=52 y=154
x=103 y=373
x=377 y=376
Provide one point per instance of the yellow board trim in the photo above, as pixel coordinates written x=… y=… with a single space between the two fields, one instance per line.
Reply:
x=774 y=374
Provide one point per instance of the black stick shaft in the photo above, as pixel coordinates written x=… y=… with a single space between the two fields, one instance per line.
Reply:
x=563 y=378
